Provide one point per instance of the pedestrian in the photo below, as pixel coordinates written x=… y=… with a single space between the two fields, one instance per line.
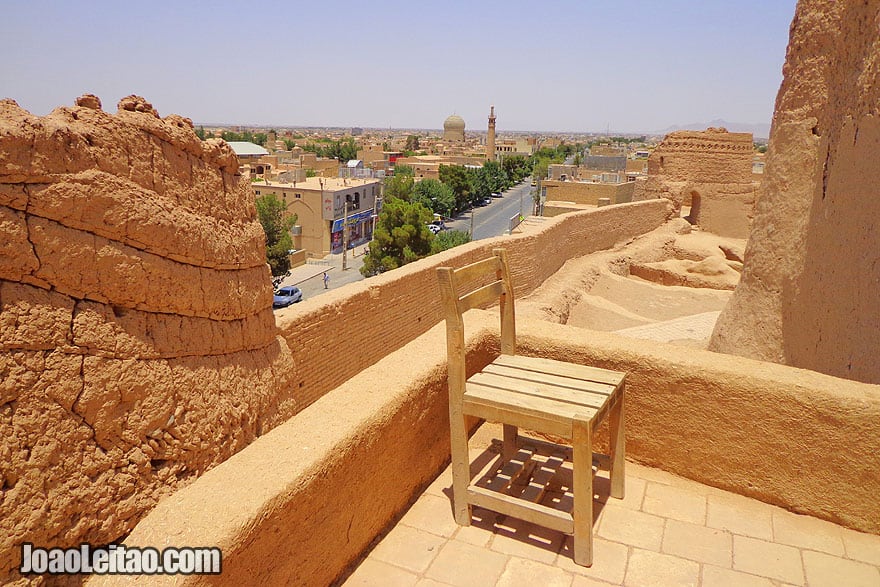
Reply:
x=326 y=280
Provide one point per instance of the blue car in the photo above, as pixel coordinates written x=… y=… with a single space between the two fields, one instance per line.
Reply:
x=286 y=296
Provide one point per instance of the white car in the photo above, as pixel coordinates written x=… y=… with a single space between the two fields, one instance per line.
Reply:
x=434 y=228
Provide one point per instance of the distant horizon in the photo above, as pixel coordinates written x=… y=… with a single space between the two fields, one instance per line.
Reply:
x=565 y=67
x=439 y=130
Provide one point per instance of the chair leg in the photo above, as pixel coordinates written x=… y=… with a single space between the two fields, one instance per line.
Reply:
x=582 y=513
x=509 y=448
x=461 y=474
x=617 y=427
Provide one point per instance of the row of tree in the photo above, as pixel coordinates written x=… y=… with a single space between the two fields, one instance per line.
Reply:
x=402 y=234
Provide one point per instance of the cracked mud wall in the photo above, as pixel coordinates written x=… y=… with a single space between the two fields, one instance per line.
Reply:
x=809 y=290
x=137 y=342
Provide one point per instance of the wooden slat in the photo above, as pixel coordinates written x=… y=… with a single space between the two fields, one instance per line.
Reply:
x=522 y=410
x=547 y=378
x=479 y=297
x=550 y=392
x=474 y=270
x=531 y=512
x=560 y=368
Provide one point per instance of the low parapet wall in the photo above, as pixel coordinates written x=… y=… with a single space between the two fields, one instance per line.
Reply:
x=303 y=502
x=342 y=332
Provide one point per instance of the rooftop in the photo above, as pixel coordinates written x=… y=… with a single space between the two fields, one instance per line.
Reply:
x=667 y=531
x=324 y=183
x=247 y=148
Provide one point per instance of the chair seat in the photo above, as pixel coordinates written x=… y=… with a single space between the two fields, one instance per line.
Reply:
x=540 y=394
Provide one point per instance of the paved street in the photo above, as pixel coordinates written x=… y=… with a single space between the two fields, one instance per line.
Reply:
x=489 y=221
x=494 y=219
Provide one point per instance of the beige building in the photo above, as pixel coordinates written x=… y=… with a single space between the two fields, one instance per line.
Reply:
x=567 y=196
x=320 y=206
x=453 y=129
x=428 y=166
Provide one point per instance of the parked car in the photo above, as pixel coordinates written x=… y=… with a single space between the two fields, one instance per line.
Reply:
x=286 y=296
x=486 y=201
x=435 y=228
x=496 y=194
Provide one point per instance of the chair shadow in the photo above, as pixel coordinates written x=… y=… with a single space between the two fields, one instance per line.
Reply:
x=559 y=497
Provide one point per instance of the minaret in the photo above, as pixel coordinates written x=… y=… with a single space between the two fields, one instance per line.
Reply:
x=490 y=139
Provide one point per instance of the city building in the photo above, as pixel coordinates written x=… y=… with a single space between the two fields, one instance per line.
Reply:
x=321 y=205
x=453 y=129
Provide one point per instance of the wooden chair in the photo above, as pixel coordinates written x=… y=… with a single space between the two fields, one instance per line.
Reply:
x=562 y=399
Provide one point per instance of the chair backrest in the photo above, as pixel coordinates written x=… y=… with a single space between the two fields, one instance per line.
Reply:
x=456 y=303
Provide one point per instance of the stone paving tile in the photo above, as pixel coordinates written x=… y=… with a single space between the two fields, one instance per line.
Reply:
x=717 y=577
x=652 y=569
x=523 y=539
x=520 y=572
x=634 y=492
x=580 y=581
x=373 y=573
x=609 y=560
x=675 y=502
x=432 y=514
x=642 y=540
x=807 y=532
x=442 y=485
x=632 y=527
x=740 y=517
x=776 y=561
x=410 y=548
x=464 y=565
x=698 y=543
x=824 y=570
x=861 y=547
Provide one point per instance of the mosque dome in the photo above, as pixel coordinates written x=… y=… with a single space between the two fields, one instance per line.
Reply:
x=454 y=122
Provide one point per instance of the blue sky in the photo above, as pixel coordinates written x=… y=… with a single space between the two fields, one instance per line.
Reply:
x=580 y=65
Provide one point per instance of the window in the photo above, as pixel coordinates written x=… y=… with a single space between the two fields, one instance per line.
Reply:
x=257 y=192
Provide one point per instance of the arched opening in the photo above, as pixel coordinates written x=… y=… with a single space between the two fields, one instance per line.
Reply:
x=694 y=215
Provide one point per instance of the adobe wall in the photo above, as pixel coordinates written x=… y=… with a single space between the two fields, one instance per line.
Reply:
x=714 y=165
x=346 y=330
x=588 y=193
x=303 y=502
x=137 y=342
x=808 y=294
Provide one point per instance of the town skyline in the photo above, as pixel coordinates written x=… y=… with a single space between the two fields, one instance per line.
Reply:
x=569 y=67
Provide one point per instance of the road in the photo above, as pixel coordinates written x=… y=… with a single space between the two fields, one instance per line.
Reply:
x=494 y=219
x=489 y=221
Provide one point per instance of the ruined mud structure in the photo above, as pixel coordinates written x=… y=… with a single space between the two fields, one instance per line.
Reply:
x=809 y=290
x=138 y=347
x=711 y=172
x=137 y=342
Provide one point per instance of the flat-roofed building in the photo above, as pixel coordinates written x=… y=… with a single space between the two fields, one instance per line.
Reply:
x=320 y=204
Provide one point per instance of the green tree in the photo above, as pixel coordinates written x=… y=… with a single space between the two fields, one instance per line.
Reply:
x=448 y=239
x=200 y=132
x=495 y=176
x=401 y=237
x=516 y=167
x=456 y=177
x=412 y=143
x=479 y=183
x=276 y=223
x=400 y=185
x=434 y=195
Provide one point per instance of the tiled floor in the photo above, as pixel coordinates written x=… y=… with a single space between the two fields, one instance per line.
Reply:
x=667 y=531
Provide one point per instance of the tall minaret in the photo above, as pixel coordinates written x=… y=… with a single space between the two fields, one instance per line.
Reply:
x=490 y=139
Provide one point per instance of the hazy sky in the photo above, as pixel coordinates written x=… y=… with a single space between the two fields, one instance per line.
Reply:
x=577 y=65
